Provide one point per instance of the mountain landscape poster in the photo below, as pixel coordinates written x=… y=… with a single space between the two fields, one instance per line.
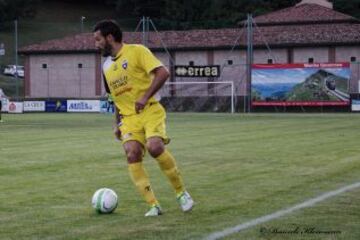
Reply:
x=315 y=84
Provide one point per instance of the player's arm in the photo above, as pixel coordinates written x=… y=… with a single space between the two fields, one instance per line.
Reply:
x=161 y=74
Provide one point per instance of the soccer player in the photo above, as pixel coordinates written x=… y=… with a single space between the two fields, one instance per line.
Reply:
x=133 y=75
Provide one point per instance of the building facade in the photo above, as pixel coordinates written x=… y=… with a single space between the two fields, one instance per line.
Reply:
x=310 y=32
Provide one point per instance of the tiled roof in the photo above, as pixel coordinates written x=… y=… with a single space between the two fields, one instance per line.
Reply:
x=303 y=13
x=327 y=27
x=79 y=42
x=315 y=34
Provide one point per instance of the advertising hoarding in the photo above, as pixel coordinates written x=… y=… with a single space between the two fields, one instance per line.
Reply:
x=56 y=106
x=83 y=106
x=318 y=84
x=34 y=106
x=15 y=107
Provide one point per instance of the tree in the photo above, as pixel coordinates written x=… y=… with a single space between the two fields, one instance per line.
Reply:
x=279 y=4
x=187 y=14
x=348 y=7
x=139 y=8
x=14 y=9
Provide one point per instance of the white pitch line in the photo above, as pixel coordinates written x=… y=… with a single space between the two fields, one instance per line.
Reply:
x=278 y=214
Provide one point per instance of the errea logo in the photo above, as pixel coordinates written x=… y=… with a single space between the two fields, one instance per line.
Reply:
x=197 y=71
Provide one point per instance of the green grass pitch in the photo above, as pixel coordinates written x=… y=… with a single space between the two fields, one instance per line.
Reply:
x=237 y=168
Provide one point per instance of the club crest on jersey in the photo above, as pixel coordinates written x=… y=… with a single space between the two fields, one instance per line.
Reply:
x=124 y=64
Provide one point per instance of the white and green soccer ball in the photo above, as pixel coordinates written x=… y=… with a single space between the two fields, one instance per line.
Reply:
x=104 y=200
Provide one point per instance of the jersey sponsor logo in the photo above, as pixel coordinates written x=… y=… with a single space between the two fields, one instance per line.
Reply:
x=120 y=86
x=122 y=81
x=123 y=90
x=124 y=64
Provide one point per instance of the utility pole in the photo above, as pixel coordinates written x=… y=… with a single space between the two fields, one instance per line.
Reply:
x=249 y=62
x=143 y=21
x=16 y=58
x=82 y=23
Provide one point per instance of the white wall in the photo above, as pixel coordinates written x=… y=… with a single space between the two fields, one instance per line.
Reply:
x=343 y=54
x=261 y=56
x=319 y=54
x=62 y=77
x=184 y=57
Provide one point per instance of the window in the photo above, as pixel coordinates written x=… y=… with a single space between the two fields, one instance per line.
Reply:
x=230 y=62
x=353 y=59
x=311 y=60
x=191 y=63
x=80 y=65
x=44 y=65
x=270 y=61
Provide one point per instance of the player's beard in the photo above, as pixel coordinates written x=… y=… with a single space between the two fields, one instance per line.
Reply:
x=107 y=50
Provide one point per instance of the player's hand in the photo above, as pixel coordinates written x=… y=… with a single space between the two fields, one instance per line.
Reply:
x=117 y=132
x=140 y=104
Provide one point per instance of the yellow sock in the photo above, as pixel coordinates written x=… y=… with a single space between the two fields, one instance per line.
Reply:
x=168 y=166
x=141 y=181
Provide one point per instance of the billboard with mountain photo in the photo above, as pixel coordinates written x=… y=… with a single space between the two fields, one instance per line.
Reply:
x=313 y=84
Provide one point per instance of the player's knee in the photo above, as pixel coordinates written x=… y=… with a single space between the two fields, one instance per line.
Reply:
x=134 y=155
x=155 y=148
x=134 y=151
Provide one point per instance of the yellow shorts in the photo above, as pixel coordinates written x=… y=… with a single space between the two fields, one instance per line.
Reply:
x=150 y=122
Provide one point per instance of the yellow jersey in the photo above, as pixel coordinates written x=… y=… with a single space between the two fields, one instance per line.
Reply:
x=128 y=76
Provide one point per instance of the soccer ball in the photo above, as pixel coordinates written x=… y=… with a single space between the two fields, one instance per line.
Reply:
x=104 y=200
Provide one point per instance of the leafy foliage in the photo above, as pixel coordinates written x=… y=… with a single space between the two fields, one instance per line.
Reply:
x=348 y=7
x=179 y=14
x=14 y=9
x=187 y=14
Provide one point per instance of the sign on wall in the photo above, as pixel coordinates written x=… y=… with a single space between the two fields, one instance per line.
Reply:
x=104 y=106
x=355 y=105
x=56 y=106
x=316 y=84
x=83 y=106
x=197 y=71
x=34 y=106
x=15 y=107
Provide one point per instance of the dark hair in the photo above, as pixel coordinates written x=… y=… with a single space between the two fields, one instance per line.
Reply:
x=107 y=27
